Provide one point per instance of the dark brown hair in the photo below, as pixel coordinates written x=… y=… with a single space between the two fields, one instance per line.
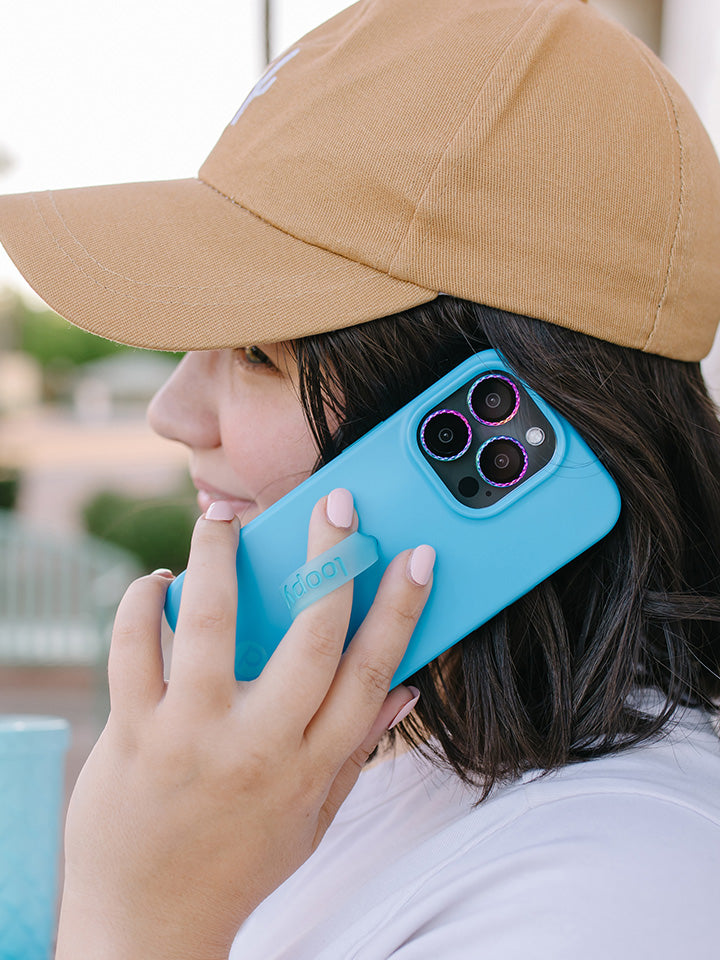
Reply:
x=550 y=680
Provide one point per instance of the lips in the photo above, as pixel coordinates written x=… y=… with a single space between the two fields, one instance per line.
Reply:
x=208 y=494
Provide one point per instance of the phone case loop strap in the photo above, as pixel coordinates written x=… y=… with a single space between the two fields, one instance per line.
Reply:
x=328 y=571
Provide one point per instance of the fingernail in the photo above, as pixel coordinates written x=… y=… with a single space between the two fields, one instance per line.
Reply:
x=163 y=572
x=220 y=510
x=340 y=508
x=420 y=567
x=404 y=711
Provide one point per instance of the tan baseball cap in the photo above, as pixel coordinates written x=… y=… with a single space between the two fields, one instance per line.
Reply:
x=530 y=155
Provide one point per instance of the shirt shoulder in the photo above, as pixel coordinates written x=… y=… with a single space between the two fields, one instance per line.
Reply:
x=600 y=875
x=617 y=857
x=610 y=857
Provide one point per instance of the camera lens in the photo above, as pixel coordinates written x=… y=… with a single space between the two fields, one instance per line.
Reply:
x=493 y=399
x=445 y=435
x=502 y=461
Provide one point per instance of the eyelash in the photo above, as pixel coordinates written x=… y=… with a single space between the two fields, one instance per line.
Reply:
x=261 y=359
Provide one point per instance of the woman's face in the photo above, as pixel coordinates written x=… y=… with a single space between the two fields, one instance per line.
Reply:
x=238 y=413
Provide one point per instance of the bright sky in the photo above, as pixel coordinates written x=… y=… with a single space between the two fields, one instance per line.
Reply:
x=106 y=91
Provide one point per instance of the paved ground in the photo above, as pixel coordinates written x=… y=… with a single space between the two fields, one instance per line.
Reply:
x=63 y=462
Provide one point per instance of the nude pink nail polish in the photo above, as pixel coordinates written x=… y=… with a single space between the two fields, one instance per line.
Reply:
x=422 y=561
x=340 y=508
x=220 y=510
x=404 y=711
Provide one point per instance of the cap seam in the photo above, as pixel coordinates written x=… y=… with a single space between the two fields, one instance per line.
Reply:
x=120 y=293
x=317 y=246
x=121 y=276
x=681 y=192
x=157 y=286
x=147 y=286
x=96 y=282
x=510 y=36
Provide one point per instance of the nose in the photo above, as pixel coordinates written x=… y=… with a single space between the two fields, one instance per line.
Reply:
x=184 y=408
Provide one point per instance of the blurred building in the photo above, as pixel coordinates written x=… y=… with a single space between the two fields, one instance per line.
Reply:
x=20 y=381
x=686 y=35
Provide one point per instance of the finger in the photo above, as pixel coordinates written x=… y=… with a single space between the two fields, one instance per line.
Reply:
x=398 y=704
x=135 y=663
x=369 y=664
x=302 y=667
x=204 y=645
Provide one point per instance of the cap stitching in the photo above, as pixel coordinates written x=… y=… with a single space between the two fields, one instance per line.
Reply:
x=169 y=303
x=178 y=287
x=681 y=196
x=511 y=35
x=97 y=283
x=100 y=266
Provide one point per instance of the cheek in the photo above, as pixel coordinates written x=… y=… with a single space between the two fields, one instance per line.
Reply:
x=271 y=450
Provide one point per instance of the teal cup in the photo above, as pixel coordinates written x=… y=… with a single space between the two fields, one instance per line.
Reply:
x=32 y=752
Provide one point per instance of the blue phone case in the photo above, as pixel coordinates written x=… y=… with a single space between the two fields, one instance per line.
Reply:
x=486 y=558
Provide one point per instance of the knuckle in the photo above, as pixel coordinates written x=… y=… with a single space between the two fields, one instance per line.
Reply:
x=124 y=630
x=321 y=639
x=402 y=617
x=359 y=757
x=208 y=621
x=255 y=765
x=312 y=784
x=374 y=674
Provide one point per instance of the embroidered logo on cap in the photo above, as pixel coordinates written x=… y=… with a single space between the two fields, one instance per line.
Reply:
x=263 y=84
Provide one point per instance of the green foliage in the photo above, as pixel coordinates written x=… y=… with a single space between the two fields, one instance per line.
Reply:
x=157 y=530
x=52 y=341
x=9 y=485
x=48 y=338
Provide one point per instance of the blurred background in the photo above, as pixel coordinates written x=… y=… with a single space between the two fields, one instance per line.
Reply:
x=99 y=91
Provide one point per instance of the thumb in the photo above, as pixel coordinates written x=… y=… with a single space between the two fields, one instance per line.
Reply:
x=398 y=703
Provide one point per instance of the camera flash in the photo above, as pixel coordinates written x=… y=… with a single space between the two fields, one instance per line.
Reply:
x=535 y=436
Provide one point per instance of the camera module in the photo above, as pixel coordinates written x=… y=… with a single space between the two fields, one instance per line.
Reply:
x=445 y=435
x=493 y=399
x=502 y=461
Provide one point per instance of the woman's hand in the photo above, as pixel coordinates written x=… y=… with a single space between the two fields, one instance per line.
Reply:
x=202 y=794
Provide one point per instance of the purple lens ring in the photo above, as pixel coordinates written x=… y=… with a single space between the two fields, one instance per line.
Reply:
x=494 y=483
x=423 y=428
x=493 y=376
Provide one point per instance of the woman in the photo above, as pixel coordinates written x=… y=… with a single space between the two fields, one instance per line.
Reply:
x=536 y=166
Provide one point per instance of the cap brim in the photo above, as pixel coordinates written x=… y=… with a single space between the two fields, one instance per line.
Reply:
x=175 y=265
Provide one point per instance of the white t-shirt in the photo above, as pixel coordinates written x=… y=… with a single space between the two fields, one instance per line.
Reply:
x=610 y=859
